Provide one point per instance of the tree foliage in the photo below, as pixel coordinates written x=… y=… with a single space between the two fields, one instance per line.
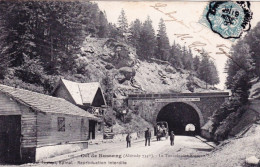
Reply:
x=52 y=31
x=163 y=46
x=187 y=58
x=147 y=40
x=135 y=32
x=142 y=37
x=47 y=34
x=176 y=56
x=206 y=69
x=196 y=63
x=240 y=60
x=241 y=67
x=122 y=23
x=252 y=39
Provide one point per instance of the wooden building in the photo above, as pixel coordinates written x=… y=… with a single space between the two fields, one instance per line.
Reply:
x=35 y=126
x=88 y=96
x=84 y=95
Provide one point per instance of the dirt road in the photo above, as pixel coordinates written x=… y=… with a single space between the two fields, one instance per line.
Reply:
x=186 y=152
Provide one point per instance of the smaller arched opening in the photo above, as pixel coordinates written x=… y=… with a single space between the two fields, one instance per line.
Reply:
x=182 y=118
x=190 y=129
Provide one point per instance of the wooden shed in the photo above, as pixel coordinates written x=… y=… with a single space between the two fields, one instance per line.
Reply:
x=88 y=96
x=82 y=94
x=35 y=126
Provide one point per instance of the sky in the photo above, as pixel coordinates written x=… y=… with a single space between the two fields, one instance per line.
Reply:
x=183 y=25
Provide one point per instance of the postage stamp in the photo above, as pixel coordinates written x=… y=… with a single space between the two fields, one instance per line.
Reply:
x=228 y=19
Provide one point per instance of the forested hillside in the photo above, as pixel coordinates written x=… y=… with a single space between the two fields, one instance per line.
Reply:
x=242 y=69
x=40 y=41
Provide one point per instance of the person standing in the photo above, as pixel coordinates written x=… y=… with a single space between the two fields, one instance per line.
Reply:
x=128 y=140
x=158 y=132
x=172 y=138
x=147 y=136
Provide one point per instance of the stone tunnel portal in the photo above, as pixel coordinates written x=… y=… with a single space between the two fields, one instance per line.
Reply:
x=178 y=115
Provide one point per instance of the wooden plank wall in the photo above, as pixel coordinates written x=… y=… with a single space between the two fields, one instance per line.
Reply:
x=28 y=127
x=8 y=106
x=48 y=134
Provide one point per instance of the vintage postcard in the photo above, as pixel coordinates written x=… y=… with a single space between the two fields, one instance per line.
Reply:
x=129 y=83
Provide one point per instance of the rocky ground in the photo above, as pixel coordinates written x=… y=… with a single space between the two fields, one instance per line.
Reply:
x=130 y=74
x=104 y=58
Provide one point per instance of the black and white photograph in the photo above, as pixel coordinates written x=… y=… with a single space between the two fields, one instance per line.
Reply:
x=129 y=83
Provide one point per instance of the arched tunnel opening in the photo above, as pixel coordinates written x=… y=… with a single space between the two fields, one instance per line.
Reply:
x=182 y=118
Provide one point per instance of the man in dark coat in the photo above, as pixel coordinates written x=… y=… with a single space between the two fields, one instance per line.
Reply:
x=158 y=133
x=172 y=138
x=128 y=140
x=147 y=136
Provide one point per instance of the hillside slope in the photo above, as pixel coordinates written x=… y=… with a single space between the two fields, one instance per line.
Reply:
x=104 y=58
x=130 y=75
x=101 y=59
x=238 y=121
x=239 y=148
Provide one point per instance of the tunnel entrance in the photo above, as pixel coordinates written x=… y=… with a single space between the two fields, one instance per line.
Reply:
x=178 y=115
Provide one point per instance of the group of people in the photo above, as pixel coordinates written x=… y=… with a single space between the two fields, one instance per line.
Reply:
x=160 y=132
x=148 y=135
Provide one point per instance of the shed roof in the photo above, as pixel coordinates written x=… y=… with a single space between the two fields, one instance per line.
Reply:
x=82 y=93
x=44 y=103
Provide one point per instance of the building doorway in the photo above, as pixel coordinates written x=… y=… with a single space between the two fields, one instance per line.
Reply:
x=10 y=142
x=92 y=128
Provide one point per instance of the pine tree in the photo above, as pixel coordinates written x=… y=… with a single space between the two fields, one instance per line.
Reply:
x=175 y=56
x=18 y=40
x=189 y=61
x=4 y=58
x=187 y=58
x=204 y=69
x=207 y=70
x=122 y=23
x=147 y=40
x=252 y=39
x=184 y=54
x=103 y=25
x=240 y=60
x=163 y=46
x=112 y=31
x=135 y=31
x=196 y=63
x=240 y=70
x=213 y=74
